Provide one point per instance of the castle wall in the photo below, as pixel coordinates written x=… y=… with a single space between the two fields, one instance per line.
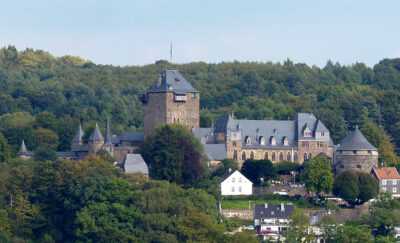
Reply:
x=362 y=161
x=313 y=149
x=155 y=110
x=184 y=112
x=95 y=146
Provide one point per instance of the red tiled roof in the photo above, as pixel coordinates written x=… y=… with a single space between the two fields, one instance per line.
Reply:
x=386 y=173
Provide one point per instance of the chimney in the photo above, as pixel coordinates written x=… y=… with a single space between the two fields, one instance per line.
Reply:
x=266 y=205
x=233 y=115
x=159 y=80
x=282 y=207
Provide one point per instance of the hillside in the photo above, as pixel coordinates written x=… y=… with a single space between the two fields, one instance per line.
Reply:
x=38 y=90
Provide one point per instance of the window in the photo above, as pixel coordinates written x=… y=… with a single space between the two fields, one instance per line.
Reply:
x=244 y=155
x=296 y=157
x=266 y=156
x=273 y=156
x=240 y=179
x=233 y=189
x=358 y=166
x=234 y=143
x=273 y=141
x=305 y=144
x=233 y=179
x=275 y=131
x=394 y=189
x=235 y=155
x=394 y=182
x=262 y=140
x=354 y=151
x=288 y=157
x=383 y=182
x=384 y=189
x=320 y=144
x=193 y=95
x=322 y=134
x=251 y=155
x=280 y=156
x=342 y=166
x=248 y=140
x=285 y=141
x=305 y=156
x=309 y=156
x=240 y=189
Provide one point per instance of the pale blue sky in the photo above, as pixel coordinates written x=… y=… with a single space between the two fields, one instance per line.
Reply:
x=139 y=32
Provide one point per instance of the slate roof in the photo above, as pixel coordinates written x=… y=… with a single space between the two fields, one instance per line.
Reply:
x=266 y=211
x=79 y=134
x=223 y=122
x=81 y=148
x=386 y=173
x=22 y=149
x=308 y=119
x=205 y=135
x=134 y=163
x=172 y=81
x=318 y=216
x=356 y=141
x=66 y=154
x=215 y=151
x=132 y=136
x=96 y=135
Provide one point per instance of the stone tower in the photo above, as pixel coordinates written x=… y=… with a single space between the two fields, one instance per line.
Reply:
x=96 y=141
x=77 y=140
x=172 y=99
x=356 y=153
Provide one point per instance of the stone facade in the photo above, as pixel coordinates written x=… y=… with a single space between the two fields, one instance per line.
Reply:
x=94 y=146
x=362 y=161
x=155 y=111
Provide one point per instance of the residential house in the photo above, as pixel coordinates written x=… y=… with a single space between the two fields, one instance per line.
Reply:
x=389 y=179
x=134 y=163
x=271 y=220
x=235 y=183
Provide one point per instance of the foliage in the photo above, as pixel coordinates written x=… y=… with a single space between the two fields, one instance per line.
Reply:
x=317 y=175
x=352 y=234
x=173 y=155
x=258 y=170
x=380 y=140
x=44 y=153
x=285 y=167
x=5 y=154
x=355 y=187
x=299 y=223
x=105 y=155
x=226 y=164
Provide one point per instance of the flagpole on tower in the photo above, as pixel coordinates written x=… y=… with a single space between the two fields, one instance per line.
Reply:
x=170 y=56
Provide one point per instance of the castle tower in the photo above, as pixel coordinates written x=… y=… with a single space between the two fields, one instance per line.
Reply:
x=172 y=99
x=356 y=153
x=77 y=140
x=96 y=141
x=22 y=152
x=108 y=145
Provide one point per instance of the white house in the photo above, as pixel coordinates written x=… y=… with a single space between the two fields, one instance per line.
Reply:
x=235 y=183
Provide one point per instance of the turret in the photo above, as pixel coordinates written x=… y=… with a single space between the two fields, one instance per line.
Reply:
x=108 y=145
x=77 y=140
x=22 y=152
x=96 y=141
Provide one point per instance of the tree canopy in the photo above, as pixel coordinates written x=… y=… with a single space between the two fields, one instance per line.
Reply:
x=258 y=170
x=317 y=175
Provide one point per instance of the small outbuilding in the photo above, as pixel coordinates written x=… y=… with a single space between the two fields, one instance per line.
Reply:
x=134 y=163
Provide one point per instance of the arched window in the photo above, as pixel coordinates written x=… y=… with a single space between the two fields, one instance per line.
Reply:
x=288 y=157
x=309 y=156
x=262 y=140
x=273 y=156
x=248 y=140
x=305 y=156
x=273 y=141
x=235 y=155
x=296 y=157
x=251 y=155
x=244 y=155
x=281 y=156
x=266 y=156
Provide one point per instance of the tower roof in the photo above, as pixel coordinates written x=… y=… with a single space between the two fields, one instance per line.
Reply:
x=22 y=149
x=172 y=81
x=79 y=134
x=107 y=141
x=96 y=135
x=356 y=141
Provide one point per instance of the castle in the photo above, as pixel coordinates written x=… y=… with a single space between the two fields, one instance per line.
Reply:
x=172 y=99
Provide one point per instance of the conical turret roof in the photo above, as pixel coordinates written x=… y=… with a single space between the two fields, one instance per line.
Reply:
x=79 y=135
x=107 y=141
x=356 y=141
x=96 y=135
x=22 y=149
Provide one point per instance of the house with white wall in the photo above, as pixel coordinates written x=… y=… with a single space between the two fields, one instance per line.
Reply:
x=235 y=183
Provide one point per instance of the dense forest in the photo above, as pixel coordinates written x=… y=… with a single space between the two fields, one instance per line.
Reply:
x=44 y=98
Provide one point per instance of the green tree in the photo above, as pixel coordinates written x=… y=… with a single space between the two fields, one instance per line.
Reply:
x=299 y=224
x=5 y=154
x=285 y=167
x=368 y=186
x=46 y=138
x=105 y=155
x=317 y=175
x=353 y=234
x=258 y=170
x=44 y=153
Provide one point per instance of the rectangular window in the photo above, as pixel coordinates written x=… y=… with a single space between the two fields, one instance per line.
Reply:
x=234 y=143
x=233 y=179
x=322 y=134
x=240 y=179
x=394 y=182
x=384 y=189
x=240 y=189
x=383 y=182
x=193 y=95
x=233 y=189
x=320 y=144
x=305 y=144
x=394 y=190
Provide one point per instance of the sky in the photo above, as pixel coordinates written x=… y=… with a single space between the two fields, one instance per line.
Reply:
x=140 y=32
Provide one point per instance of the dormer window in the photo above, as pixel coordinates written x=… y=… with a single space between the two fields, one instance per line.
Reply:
x=273 y=141
x=307 y=131
x=248 y=140
x=262 y=140
x=275 y=131
x=285 y=141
